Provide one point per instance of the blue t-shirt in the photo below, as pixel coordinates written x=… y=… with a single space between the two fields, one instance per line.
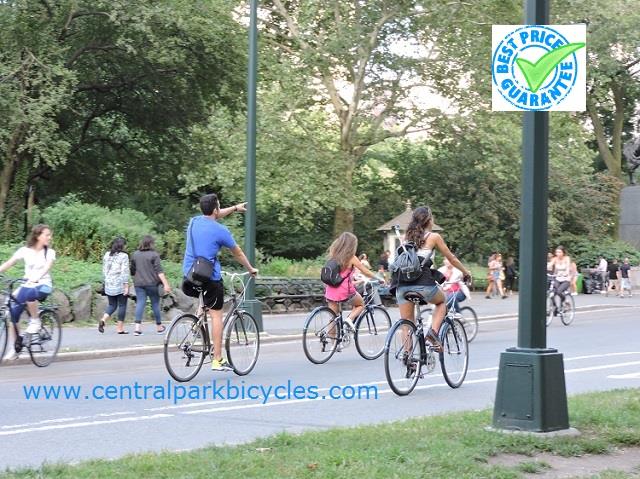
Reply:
x=207 y=237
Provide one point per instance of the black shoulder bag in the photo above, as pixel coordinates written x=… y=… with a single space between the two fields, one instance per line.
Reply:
x=202 y=268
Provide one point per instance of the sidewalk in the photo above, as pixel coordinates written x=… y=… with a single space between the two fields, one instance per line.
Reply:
x=87 y=343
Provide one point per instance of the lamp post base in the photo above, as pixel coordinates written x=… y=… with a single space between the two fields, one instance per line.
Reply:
x=531 y=393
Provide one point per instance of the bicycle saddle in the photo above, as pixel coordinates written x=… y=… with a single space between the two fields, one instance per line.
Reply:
x=414 y=297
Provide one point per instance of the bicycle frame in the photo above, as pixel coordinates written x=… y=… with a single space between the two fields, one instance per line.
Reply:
x=233 y=310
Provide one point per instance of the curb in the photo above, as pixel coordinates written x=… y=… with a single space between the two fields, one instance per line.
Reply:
x=24 y=358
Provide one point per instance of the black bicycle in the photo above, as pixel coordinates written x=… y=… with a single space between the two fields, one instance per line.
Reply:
x=406 y=351
x=43 y=346
x=187 y=342
x=325 y=332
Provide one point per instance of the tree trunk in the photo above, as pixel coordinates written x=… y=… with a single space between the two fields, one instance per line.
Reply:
x=9 y=168
x=611 y=157
x=343 y=220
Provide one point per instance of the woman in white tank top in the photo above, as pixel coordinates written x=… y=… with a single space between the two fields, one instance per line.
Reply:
x=419 y=233
x=561 y=267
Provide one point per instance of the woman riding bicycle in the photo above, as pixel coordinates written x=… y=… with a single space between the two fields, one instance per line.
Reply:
x=560 y=266
x=419 y=233
x=38 y=259
x=452 y=288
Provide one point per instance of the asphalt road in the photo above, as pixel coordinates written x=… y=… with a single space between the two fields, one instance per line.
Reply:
x=601 y=351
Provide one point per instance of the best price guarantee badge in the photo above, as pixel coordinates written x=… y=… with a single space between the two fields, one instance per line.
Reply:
x=539 y=67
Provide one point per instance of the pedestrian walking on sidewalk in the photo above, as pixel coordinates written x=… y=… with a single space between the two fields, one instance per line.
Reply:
x=115 y=269
x=625 y=283
x=148 y=275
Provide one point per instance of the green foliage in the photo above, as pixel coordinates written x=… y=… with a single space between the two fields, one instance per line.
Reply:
x=85 y=231
x=174 y=245
x=287 y=268
x=586 y=251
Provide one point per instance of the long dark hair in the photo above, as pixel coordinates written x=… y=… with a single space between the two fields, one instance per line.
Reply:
x=36 y=231
x=117 y=245
x=147 y=243
x=420 y=222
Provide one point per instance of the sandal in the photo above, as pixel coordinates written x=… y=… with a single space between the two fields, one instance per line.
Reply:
x=101 y=326
x=433 y=339
x=161 y=331
x=123 y=332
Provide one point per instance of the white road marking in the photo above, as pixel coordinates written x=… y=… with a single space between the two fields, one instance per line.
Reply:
x=624 y=376
x=84 y=424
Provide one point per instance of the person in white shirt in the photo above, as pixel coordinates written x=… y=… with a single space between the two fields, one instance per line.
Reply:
x=452 y=287
x=602 y=270
x=38 y=259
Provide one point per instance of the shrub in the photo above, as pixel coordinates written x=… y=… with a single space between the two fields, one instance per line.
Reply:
x=85 y=230
x=585 y=251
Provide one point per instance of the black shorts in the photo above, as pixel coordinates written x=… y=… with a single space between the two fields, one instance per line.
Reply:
x=213 y=293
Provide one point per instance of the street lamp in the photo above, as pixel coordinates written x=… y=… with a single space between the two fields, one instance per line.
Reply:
x=531 y=393
x=252 y=305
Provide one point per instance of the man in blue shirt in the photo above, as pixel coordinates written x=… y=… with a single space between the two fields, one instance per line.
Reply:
x=206 y=237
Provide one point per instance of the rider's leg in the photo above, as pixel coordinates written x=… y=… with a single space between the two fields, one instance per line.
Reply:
x=407 y=310
x=358 y=305
x=216 y=332
x=439 y=310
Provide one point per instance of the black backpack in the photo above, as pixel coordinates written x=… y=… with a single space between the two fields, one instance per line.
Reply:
x=407 y=266
x=330 y=274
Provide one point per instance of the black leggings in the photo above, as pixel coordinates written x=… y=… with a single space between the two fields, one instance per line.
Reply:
x=560 y=288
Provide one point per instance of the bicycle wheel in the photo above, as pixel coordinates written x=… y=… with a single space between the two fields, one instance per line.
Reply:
x=454 y=358
x=4 y=332
x=371 y=332
x=320 y=335
x=470 y=322
x=185 y=347
x=44 y=346
x=402 y=357
x=242 y=343
x=568 y=310
x=551 y=307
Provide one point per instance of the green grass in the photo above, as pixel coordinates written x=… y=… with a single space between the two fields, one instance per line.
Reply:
x=448 y=446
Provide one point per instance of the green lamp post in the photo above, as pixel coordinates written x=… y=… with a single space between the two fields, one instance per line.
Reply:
x=252 y=305
x=531 y=393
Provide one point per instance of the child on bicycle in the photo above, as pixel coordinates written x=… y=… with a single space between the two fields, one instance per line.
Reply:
x=343 y=251
x=38 y=259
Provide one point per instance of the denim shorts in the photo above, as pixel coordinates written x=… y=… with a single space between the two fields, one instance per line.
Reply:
x=427 y=292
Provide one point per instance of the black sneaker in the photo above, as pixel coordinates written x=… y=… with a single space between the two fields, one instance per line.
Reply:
x=18 y=344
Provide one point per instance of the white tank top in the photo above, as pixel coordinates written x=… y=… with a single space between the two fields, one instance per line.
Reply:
x=563 y=270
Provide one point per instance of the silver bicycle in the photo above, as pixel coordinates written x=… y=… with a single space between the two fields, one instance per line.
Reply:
x=187 y=343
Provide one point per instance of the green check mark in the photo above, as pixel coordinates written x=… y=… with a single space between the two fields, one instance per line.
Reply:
x=536 y=73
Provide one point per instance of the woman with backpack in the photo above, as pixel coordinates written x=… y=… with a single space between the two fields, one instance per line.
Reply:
x=338 y=276
x=426 y=243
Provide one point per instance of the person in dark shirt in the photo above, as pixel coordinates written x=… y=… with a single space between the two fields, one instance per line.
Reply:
x=147 y=272
x=625 y=282
x=613 y=269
